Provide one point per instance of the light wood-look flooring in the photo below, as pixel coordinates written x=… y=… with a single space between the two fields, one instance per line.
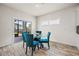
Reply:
x=56 y=49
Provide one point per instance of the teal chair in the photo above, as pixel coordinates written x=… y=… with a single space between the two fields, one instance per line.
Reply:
x=29 y=42
x=45 y=40
x=24 y=38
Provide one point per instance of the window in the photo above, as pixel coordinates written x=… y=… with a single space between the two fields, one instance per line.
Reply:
x=57 y=21
x=50 y=22
x=44 y=23
x=21 y=26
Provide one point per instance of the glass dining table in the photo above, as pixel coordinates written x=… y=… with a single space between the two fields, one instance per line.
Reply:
x=37 y=38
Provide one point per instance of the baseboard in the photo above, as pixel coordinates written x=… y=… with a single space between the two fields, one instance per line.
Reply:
x=4 y=45
x=74 y=47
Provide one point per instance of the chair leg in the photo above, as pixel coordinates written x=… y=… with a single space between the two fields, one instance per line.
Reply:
x=23 y=44
x=32 y=52
x=38 y=47
x=26 y=50
x=42 y=45
x=34 y=48
x=48 y=46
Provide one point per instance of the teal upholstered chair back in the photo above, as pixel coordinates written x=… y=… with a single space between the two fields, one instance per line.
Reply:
x=29 y=41
x=24 y=36
x=28 y=38
x=48 y=36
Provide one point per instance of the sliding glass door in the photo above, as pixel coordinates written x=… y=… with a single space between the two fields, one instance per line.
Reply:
x=21 y=26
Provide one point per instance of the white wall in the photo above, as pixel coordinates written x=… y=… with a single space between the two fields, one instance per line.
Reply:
x=77 y=23
x=7 y=17
x=65 y=32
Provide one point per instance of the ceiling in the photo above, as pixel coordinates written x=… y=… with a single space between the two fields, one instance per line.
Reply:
x=37 y=9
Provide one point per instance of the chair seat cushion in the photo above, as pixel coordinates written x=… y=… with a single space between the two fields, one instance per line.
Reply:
x=43 y=40
x=35 y=42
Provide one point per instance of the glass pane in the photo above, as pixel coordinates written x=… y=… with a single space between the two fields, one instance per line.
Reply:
x=28 y=25
x=20 y=28
x=16 y=24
